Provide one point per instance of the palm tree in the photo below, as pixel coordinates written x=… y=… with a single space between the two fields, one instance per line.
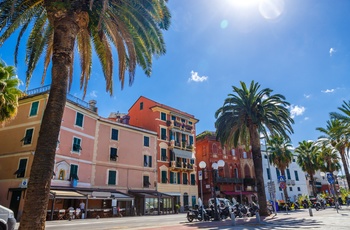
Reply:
x=307 y=159
x=343 y=133
x=247 y=113
x=280 y=155
x=134 y=27
x=9 y=93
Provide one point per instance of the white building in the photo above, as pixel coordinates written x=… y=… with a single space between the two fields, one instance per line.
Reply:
x=296 y=181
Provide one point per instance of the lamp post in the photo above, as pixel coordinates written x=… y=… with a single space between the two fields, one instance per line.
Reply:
x=215 y=167
x=335 y=174
x=202 y=165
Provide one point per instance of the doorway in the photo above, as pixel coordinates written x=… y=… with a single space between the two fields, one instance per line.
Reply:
x=15 y=200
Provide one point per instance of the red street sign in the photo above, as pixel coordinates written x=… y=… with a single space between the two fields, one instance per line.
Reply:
x=283 y=185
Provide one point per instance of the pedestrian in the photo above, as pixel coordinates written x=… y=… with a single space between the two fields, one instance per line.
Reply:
x=82 y=206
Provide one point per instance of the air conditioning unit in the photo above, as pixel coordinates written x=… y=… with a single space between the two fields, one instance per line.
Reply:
x=24 y=183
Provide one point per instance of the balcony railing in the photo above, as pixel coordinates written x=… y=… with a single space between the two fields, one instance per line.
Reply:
x=176 y=165
x=179 y=125
x=229 y=180
x=70 y=97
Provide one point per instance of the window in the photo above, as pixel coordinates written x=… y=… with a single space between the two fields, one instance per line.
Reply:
x=293 y=159
x=183 y=121
x=163 y=116
x=190 y=122
x=178 y=177
x=73 y=172
x=112 y=177
x=163 y=134
x=27 y=140
x=191 y=140
x=288 y=174
x=299 y=189
x=141 y=105
x=193 y=179
x=173 y=118
x=62 y=174
x=268 y=174
x=113 y=154
x=147 y=161
x=79 y=119
x=172 y=177
x=76 y=145
x=233 y=152
x=114 y=134
x=184 y=178
x=236 y=172
x=146 y=141
x=245 y=155
x=34 y=109
x=146 y=183
x=164 y=177
x=21 y=168
x=296 y=175
x=265 y=156
x=163 y=155
x=291 y=189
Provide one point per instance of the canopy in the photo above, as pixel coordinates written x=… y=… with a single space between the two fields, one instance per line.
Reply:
x=66 y=194
x=183 y=153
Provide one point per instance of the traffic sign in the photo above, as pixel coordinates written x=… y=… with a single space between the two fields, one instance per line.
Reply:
x=200 y=175
x=283 y=185
x=281 y=179
x=271 y=186
x=330 y=178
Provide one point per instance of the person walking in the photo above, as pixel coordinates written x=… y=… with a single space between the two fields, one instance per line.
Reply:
x=82 y=206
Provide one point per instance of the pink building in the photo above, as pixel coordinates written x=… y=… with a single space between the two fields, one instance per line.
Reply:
x=98 y=161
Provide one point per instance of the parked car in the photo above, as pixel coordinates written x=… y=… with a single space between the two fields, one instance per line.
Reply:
x=7 y=219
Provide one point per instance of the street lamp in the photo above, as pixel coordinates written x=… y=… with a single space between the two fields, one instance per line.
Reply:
x=215 y=167
x=202 y=165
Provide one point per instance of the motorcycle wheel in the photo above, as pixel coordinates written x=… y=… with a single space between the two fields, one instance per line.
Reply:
x=190 y=218
x=317 y=208
x=206 y=217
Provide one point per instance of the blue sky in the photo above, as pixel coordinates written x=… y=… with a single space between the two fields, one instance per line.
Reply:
x=298 y=48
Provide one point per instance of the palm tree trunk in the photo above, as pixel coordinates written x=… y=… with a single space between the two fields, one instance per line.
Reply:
x=257 y=159
x=285 y=192
x=37 y=195
x=313 y=185
x=345 y=165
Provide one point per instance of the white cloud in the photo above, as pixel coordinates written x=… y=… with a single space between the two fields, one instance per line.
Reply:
x=328 y=91
x=307 y=96
x=296 y=110
x=331 y=51
x=194 y=77
x=93 y=93
x=306 y=118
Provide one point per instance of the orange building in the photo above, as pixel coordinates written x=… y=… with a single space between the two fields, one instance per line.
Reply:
x=176 y=163
x=234 y=180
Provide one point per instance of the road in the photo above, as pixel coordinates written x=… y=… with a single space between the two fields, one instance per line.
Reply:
x=326 y=219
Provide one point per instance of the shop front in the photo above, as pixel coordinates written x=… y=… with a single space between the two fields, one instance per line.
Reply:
x=149 y=202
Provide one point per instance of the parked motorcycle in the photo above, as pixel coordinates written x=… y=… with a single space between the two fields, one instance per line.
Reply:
x=296 y=205
x=197 y=213
x=305 y=203
x=224 y=212
x=253 y=209
x=315 y=203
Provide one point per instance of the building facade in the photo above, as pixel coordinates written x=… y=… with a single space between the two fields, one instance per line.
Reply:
x=236 y=179
x=176 y=163
x=98 y=161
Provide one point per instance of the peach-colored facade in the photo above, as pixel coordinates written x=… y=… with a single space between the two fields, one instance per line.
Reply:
x=92 y=162
x=176 y=162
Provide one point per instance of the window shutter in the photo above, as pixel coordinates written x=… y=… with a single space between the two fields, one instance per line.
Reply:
x=164 y=176
x=178 y=178
x=172 y=174
x=112 y=177
x=193 y=179
x=150 y=161
x=34 y=108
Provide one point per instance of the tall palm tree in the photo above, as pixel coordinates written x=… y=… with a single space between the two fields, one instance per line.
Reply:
x=280 y=155
x=344 y=129
x=9 y=92
x=246 y=113
x=134 y=27
x=308 y=160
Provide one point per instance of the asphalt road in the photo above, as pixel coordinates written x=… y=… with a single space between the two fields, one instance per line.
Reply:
x=326 y=219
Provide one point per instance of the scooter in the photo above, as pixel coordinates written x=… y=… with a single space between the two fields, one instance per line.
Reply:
x=296 y=205
x=253 y=209
x=197 y=213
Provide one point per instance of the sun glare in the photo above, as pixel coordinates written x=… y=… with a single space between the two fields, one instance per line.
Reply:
x=244 y=3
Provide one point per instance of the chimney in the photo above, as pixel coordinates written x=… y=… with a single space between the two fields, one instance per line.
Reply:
x=92 y=104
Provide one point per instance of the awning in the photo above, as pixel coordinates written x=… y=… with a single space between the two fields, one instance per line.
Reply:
x=149 y=193
x=183 y=153
x=121 y=196
x=173 y=193
x=97 y=194
x=229 y=193
x=64 y=194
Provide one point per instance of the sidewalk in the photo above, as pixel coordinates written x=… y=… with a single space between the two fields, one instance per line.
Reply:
x=325 y=219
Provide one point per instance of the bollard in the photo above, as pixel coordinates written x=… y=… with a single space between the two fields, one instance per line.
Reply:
x=310 y=211
x=233 y=219
x=257 y=215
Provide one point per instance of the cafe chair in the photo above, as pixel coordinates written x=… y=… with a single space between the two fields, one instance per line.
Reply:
x=61 y=214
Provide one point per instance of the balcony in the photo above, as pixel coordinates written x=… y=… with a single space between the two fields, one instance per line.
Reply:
x=290 y=182
x=181 y=166
x=179 y=125
x=229 y=180
x=180 y=145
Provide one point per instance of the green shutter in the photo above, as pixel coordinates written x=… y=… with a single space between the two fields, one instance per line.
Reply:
x=34 y=108
x=150 y=161
x=79 y=119
x=28 y=137
x=74 y=172
x=178 y=178
x=114 y=134
x=193 y=179
x=164 y=177
x=112 y=177
x=172 y=178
